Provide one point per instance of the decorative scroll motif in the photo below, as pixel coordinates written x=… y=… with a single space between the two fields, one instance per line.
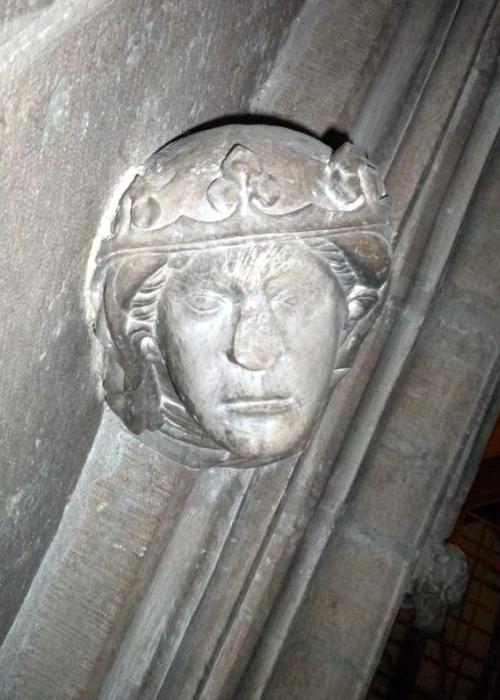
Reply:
x=243 y=269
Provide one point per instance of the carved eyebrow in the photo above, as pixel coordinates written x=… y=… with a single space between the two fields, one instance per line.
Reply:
x=191 y=281
x=293 y=266
x=283 y=279
x=296 y=283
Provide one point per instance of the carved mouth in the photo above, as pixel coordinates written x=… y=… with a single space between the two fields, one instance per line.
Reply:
x=266 y=406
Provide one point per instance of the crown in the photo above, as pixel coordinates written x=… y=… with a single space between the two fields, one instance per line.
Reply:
x=347 y=183
x=222 y=186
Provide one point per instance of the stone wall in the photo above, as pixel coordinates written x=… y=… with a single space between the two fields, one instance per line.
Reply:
x=284 y=583
x=88 y=89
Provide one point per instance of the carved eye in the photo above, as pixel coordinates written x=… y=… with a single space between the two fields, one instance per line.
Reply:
x=205 y=301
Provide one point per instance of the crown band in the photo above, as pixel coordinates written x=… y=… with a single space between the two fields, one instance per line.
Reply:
x=235 y=240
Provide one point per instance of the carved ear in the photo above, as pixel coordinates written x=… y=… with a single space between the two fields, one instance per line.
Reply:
x=139 y=406
x=356 y=329
x=145 y=401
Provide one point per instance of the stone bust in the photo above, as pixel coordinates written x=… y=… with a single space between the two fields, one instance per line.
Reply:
x=244 y=266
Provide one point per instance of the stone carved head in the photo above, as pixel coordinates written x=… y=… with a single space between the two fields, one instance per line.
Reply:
x=244 y=267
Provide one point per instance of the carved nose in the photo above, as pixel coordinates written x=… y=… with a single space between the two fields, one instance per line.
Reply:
x=257 y=342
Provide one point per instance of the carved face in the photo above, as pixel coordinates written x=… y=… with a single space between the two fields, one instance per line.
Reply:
x=250 y=335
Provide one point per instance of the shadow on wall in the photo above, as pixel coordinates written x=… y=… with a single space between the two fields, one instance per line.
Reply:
x=331 y=137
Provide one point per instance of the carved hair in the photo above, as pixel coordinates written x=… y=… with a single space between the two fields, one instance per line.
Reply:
x=215 y=187
x=151 y=400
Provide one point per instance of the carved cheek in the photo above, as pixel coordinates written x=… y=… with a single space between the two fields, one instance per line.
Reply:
x=308 y=322
x=316 y=334
x=199 y=340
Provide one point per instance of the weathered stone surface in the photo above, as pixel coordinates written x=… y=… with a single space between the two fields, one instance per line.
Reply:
x=414 y=233
x=301 y=573
x=466 y=26
x=244 y=267
x=125 y=500
x=405 y=476
x=87 y=90
x=438 y=583
x=222 y=204
x=15 y=15
x=328 y=62
x=330 y=657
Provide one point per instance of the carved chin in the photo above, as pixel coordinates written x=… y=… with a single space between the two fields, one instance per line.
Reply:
x=269 y=437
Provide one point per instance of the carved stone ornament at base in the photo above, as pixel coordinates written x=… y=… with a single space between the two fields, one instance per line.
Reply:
x=439 y=582
x=244 y=266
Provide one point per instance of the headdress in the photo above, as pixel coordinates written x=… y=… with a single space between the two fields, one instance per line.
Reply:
x=222 y=185
x=232 y=184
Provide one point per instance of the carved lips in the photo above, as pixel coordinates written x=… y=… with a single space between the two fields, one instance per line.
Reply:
x=260 y=406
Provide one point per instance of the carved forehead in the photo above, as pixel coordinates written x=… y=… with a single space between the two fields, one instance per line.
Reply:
x=231 y=185
x=246 y=266
x=248 y=261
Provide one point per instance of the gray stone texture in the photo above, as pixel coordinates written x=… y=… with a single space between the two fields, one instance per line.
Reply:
x=402 y=483
x=425 y=148
x=286 y=581
x=87 y=90
x=328 y=62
